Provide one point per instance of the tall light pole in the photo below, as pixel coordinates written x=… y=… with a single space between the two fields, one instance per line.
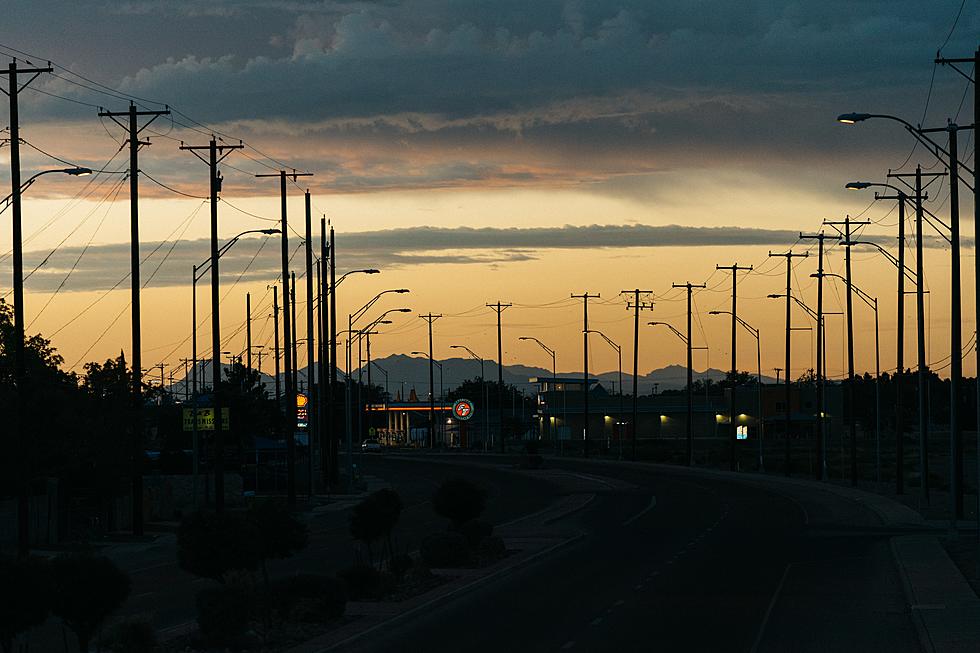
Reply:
x=690 y=383
x=619 y=353
x=197 y=273
x=20 y=369
x=554 y=375
x=486 y=393
x=758 y=359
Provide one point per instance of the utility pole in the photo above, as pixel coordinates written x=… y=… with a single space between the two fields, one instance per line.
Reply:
x=187 y=387
x=789 y=256
x=852 y=422
x=313 y=411
x=133 y=129
x=334 y=445
x=734 y=269
x=216 y=154
x=275 y=336
x=248 y=331
x=292 y=343
x=637 y=306
x=585 y=297
x=430 y=318
x=500 y=308
x=690 y=371
x=821 y=372
x=289 y=416
x=326 y=392
x=20 y=373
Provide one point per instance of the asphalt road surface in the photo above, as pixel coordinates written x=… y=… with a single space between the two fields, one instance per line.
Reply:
x=678 y=564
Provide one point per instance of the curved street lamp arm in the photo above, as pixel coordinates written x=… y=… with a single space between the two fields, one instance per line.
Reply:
x=676 y=332
x=606 y=338
x=888 y=255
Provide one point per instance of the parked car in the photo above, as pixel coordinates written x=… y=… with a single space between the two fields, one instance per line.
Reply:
x=370 y=445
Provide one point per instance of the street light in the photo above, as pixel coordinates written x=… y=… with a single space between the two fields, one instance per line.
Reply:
x=619 y=353
x=554 y=374
x=437 y=364
x=486 y=392
x=198 y=272
x=20 y=370
x=758 y=355
x=690 y=384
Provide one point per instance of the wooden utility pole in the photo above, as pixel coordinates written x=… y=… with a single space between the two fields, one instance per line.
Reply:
x=733 y=436
x=585 y=297
x=500 y=308
x=637 y=305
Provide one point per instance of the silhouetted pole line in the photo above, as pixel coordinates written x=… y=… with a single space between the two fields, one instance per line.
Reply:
x=334 y=427
x=500 y=308
x=821 y=371
x=20 y=373
x=326 y=392
x=216 y=154
x=195 y=440
x=637 y=306
x=289 y=416
x=733 y=439
x=852 y=422
x=789 y=256
x=133 y=129
x=918 y=195
x=430 y=318
x=585 y=297
x=690 y=369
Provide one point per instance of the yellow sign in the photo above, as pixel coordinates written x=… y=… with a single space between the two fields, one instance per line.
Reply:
x=205 y=419
x=301 y=400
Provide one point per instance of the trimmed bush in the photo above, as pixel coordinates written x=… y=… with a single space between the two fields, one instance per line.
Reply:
x=87 y=589
x=223 y=614
x=131 y=636
x=445 y=550
x=374 y=518
x=490 y=549
x=400 y=564
x=311 y=597
x=363 y=582
x=25 y=588
x=474 y=531
x=279 y=533
x=211 y=545
x=459 y=501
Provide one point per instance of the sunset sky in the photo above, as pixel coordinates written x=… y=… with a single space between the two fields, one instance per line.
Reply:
x=484 y=151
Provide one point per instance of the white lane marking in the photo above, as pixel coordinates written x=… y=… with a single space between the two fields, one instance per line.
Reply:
x=619 y=603
x=597 y=621
x=143 y=595
x=567 y=645
x=772 y=604
x=638 y=586
x=650 y=506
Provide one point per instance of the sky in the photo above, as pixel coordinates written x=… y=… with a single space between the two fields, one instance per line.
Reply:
x=478 y=152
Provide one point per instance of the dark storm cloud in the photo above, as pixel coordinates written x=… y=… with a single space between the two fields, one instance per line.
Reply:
x=103 y=266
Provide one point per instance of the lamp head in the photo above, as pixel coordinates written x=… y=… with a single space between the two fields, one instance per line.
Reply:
x=857 y=185
x=714 y=312
x=402 y=291
x=774 y=296
x=371 y=271
x=851 y=118
x=269 y=232
x=78 y=172
x=403 y=310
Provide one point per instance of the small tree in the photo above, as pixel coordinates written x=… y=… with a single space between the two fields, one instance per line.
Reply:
x=25 y=590
x=459 y=501
x=87 y=589
x=278 y=534
x=211 y=545
x=374 y=518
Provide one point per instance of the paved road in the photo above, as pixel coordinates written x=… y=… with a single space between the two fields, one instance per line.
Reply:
x=711 y=566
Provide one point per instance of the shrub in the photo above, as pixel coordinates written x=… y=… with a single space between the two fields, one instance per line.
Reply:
x=131 y=636
x=312 y=597
x=374 y=518
x=491 y=548
x=474 y=531
x=25 y=588
x=400 y=564
x=364 y=582
x=223 y=614
x=278 y=533
x=211 y=545
x=445 y=550
x=459 y=501
x=87 y=589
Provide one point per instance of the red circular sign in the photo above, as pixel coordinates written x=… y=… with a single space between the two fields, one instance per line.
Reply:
x=463 y=409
